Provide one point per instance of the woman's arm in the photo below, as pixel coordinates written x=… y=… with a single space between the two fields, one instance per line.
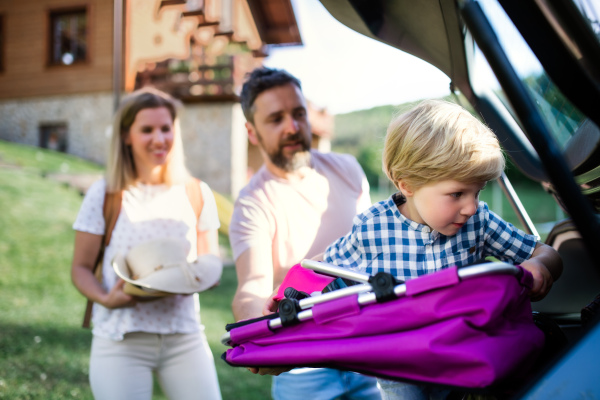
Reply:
x=208 y=242
x=87 y=247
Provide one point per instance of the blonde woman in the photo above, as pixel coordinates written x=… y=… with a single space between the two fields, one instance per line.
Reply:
x=134 y=339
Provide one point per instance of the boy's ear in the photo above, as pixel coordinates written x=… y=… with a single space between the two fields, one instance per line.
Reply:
x=252 y=136
x=404 y=188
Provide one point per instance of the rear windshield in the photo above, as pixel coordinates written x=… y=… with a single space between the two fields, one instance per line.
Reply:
x=562 y=118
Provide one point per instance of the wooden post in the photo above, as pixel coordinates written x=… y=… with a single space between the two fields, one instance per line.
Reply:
x=117 y=51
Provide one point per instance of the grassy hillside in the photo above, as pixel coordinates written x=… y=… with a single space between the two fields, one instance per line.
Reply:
x=43 y=161
x=362 y=134
x=44 y=353
x=358 y=129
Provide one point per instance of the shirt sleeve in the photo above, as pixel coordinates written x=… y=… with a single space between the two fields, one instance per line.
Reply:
x=250 y=227
x=504 y=241
x=209 y=217
x=364 y=201
x=90 y=218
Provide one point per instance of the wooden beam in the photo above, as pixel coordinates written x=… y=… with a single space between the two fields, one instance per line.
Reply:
x=165 y=3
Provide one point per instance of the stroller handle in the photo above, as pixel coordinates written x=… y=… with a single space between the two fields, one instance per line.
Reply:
x=365 y=296
x=335 y=271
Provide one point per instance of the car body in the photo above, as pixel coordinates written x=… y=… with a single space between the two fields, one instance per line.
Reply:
x=543 y=59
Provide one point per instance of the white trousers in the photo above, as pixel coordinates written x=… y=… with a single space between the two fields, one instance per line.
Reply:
x=183 y=364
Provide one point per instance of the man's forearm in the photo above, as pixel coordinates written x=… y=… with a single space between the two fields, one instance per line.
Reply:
x=255 y=283
x=246 y=306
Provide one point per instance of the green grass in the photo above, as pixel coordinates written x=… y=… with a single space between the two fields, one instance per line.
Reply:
x=44 y=352
x=43 y=161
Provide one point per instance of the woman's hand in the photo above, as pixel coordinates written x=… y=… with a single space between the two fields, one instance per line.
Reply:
x=117 y=298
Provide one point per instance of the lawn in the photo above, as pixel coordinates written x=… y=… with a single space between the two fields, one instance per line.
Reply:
x=44 y=352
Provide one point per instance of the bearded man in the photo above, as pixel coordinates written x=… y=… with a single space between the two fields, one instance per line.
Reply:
x=296 y=204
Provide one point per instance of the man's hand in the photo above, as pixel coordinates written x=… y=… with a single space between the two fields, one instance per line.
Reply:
x=271 y=304
x=269 y=371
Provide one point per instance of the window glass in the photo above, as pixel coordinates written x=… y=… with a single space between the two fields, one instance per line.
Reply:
x=68 y=37
x=54 y=136
x=590 y=10
x=562 y=118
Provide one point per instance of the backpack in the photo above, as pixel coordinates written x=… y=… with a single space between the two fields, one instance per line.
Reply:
x=111 y=210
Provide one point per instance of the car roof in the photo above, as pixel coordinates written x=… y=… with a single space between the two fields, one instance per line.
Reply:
x=400 y=24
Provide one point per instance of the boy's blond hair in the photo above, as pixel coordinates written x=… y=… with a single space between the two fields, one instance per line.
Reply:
x=437 y=140
x=120 y=167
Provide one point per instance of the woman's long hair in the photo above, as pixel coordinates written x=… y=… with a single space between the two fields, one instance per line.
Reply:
x=120 y=167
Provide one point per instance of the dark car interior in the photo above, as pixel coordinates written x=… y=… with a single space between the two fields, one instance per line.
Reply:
x=547 y=125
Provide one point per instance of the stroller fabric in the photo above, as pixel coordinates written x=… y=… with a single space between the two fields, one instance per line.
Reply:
x=472 y=333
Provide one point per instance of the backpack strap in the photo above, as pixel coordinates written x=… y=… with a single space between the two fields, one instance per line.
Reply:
x=194 y=193
x=110 y=211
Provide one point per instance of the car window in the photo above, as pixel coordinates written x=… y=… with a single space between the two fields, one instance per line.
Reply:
x=562 y=118
x=590 y=10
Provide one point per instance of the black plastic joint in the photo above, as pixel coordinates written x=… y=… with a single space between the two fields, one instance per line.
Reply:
x=383 y=285
x=288 y=311
x=292 y=293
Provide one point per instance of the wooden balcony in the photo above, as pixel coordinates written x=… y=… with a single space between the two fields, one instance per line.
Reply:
x=205 y=83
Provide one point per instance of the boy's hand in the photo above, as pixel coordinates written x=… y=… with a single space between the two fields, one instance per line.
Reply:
x=542 y=279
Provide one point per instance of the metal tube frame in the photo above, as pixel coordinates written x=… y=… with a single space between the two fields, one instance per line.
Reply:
x=517 y=206
x=364 y=291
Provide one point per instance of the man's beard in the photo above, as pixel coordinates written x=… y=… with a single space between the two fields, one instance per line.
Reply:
x=298 y=160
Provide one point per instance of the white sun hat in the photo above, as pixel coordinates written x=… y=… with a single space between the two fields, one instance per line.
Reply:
x=160 y=268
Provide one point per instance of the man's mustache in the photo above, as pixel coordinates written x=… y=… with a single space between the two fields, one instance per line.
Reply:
x=296 y=137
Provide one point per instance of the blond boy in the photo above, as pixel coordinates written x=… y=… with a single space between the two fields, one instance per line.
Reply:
x=439 y=157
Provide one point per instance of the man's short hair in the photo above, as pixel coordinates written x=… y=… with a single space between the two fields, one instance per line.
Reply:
x=438 y=140
x=258 y=81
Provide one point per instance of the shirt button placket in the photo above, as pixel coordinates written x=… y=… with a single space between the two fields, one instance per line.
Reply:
x=430 y=266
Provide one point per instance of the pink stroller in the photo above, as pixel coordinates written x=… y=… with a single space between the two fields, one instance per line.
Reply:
x=470 y=327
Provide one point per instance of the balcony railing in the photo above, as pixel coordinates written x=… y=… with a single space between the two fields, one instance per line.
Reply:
x=190 y=82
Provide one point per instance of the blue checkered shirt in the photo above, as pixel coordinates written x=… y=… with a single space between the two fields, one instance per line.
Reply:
x=382 y=239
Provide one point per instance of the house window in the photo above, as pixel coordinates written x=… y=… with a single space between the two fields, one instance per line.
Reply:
x=68 y=36
x=54 y=136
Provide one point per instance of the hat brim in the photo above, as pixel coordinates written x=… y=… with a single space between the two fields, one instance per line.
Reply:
x=202 y=275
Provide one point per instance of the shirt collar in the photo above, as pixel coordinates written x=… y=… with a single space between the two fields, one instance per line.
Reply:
x=395 y=201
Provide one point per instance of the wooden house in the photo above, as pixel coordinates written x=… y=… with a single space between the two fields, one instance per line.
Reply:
x=64 y=65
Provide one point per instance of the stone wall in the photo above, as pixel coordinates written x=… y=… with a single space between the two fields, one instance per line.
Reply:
x=216 y=145
x=214 y=137
x=87 y=118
